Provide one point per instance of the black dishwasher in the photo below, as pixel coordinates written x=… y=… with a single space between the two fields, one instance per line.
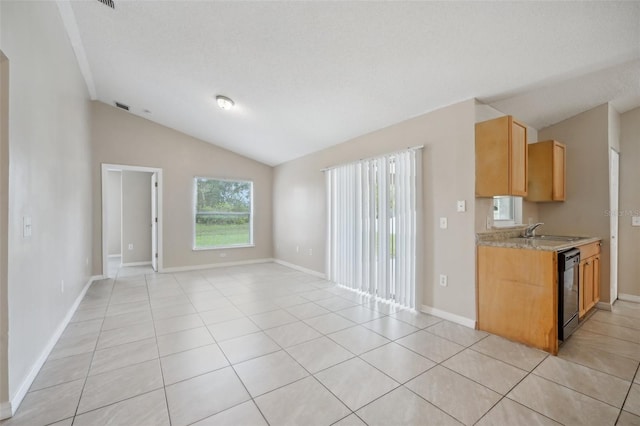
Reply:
x=568 y=293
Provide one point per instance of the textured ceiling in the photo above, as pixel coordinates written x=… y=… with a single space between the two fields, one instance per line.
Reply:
x=308 y=75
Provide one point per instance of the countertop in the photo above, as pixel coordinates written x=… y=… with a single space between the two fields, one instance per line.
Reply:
x=511 y=238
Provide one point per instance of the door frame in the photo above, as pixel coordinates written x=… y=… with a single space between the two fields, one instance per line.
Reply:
x=7 y=406
x=614 y=219
x=154 y=221
x=123 y=167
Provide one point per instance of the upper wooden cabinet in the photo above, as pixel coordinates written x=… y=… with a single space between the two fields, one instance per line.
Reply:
x=501 y=157
x=547 y=171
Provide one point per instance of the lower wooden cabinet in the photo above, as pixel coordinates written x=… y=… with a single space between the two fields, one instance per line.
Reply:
x=517 y=292
x=518 y=295
x=589 y=279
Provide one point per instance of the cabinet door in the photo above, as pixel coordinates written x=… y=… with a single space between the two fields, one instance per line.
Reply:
x=493 y=157
x=588 y=285
x=581 y=282
x=558 y=172
x=518 y=164
x=596 y=279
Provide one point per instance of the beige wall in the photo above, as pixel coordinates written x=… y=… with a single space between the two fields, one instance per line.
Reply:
x=629 y=236
x=585 y=210
x=119 y=137
x=449 y=164
x=49 y=181
x=136 y=216
x=4 y=213
x=114 y=212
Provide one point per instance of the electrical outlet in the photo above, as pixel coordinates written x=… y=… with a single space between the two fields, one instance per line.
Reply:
x=26 y=227
x=462 y=206
x=635 y=221
x=297 y=249
x=61 y=286
x=489 y=222
x=443 y=223
x=443 y=280
x=223 y=254
x=310 y=252
x=130 y=246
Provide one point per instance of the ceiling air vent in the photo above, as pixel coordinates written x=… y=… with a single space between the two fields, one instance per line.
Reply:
x=109 y=3
x=123 y=106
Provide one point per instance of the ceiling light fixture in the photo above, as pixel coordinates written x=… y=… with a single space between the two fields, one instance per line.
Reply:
x=224 y=102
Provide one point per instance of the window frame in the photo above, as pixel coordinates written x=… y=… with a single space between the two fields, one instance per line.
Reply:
x=194 y=206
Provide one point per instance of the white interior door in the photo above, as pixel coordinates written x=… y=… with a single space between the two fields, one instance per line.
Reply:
x=154 y=221
x=614 y=175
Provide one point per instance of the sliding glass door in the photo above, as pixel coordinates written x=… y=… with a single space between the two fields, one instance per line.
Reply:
x=372 y=229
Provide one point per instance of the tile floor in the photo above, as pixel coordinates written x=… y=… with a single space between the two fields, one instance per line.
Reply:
x=264 y=344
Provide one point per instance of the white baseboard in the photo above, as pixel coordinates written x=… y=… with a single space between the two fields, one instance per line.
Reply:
x=213 y=265
x=301 y=268
x=605 y=306
x=5 y=410
x=114 y=255
x=145 y=263
x=467 y=322
x=629 y=297
x=35 y=369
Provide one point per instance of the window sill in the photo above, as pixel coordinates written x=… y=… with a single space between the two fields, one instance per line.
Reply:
x=505 y=223
x=223 y=247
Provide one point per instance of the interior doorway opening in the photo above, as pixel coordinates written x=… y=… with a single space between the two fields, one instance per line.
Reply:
x=131 y=220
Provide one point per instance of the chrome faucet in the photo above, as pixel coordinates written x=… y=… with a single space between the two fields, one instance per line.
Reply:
x=531 y=230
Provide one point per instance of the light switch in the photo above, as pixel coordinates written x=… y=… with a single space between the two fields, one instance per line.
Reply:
x=443 y=223
x=462 y=206
x=635 y=221
x=26 y=226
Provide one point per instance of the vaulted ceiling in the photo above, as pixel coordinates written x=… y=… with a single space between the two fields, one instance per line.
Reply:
x=308 y=75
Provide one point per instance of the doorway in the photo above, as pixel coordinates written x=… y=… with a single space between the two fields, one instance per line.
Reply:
x=131 y=219
x=614 y=192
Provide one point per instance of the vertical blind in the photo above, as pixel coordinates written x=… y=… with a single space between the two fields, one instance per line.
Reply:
x=372 y=225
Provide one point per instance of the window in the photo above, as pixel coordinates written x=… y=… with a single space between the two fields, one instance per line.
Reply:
x=223 y=213
x=503 y=208
x=507 y=211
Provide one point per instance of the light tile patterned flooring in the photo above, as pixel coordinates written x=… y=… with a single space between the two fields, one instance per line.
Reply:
x=264 y=344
